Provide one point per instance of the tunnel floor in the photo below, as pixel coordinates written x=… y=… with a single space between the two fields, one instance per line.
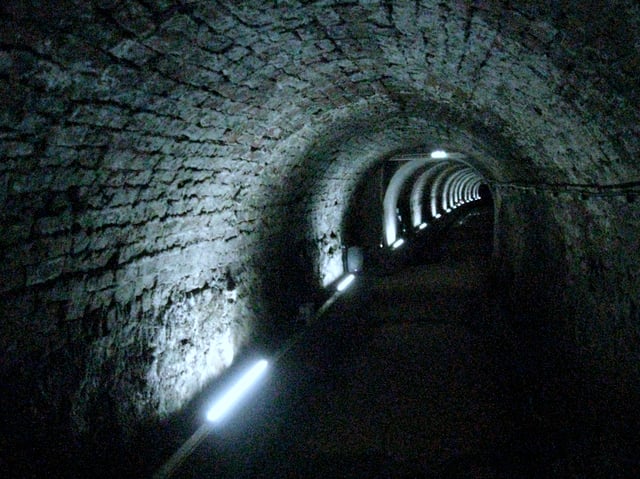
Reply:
x=409 y=376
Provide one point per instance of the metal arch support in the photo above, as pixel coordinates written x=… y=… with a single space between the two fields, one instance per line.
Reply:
x=462 y=191
x=417 y=192
x=458 y=192
x=476 y=190
x=447 y=193
x=435 y=186
x=392 y=194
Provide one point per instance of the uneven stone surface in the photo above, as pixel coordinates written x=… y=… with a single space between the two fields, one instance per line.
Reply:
x=174 y=177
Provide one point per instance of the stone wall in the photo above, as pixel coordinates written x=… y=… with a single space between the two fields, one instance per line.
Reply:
x=569 y=286
x=174 y=175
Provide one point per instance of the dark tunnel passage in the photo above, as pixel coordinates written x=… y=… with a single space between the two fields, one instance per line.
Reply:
x=184 y=184
x=410 y=373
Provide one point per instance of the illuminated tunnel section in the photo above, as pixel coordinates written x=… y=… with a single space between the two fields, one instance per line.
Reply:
x=407 y=202
x=426 y=199
x=449 y=183
x=453 y=185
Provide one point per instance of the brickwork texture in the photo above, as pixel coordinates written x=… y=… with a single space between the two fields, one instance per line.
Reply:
x=174 y=176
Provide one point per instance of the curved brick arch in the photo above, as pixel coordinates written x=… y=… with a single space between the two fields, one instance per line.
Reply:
x=163 y=163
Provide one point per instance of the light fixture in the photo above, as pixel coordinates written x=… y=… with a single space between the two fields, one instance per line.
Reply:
x=344 y=284
x=227 y=400
x=353 y=259
x=422 y=226
x=397 y=244
x=439 y=155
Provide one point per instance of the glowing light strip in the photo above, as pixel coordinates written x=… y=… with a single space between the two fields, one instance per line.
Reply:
x=439 y=154
x=344 y=284
x=398 y=243
x=235 y=393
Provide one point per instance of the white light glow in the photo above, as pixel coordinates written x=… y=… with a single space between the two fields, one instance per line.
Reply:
x=397 y=244
x=224 y=404
x=332 y=268
x=422 y=226
x=391 y=219
x=344 y=284
x=438 y=215
x=439 y=154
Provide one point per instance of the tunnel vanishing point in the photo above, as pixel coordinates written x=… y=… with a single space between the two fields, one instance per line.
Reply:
x=179 y=177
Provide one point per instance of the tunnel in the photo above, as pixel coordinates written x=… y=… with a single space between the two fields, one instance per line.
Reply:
x=183 y=183
x=415 y=195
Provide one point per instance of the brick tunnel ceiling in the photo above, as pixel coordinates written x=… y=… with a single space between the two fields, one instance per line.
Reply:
x=168 y=166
